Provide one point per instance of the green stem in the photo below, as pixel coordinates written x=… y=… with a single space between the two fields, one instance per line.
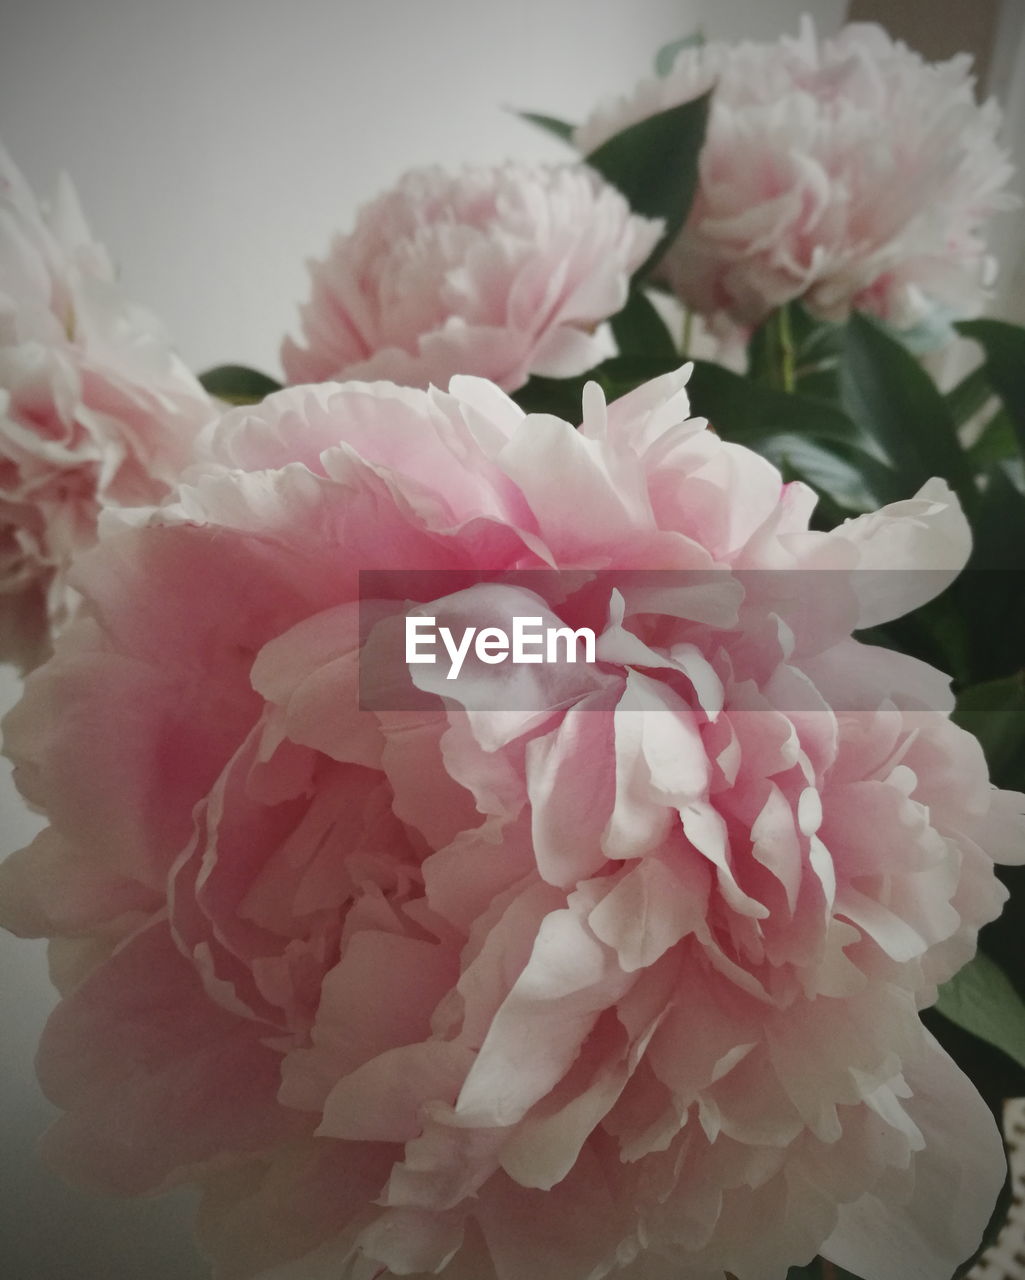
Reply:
x=688 y=329
x=785 y=342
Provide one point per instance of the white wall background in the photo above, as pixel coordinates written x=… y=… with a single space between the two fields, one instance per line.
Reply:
x=216 y=144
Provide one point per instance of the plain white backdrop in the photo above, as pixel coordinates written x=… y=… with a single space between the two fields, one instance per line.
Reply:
x=216 y=144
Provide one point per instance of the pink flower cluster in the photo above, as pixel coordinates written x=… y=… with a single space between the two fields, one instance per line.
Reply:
x=95 y=410
x=500 y=272
x=618 y=978
x=846 y=172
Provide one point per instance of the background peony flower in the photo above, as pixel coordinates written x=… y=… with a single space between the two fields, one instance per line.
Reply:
x=846 y=172
x=613 y=972
x=500 y=272
x=94 y=407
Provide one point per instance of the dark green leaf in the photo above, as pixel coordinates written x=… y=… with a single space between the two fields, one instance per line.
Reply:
x=888 y=393
x=236 y=384
x=980 y=999
x=640 y=330
x=1004 y=347
x=996 y=442
x=654 y=163
x=562 y=396
x=990 y=594
x=999 y=523
x=558 y=396
x=814 y=340
x=622 y=373
x=852 y=479
x=666 y=56
x=966 y=399
x=995 y=713
x=820 y=382
x=810 y=439
x=744 y=411
x=1001 y=940
x=550 y=124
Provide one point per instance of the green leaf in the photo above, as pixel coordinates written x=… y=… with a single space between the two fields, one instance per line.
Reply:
x=562 y=396
x=814 y=340
x=640 y=330
x=560 y=128
x=558 y=396
x=1004 y=348
x=666 y=56
x=237 y=384
x=990 y=593
x=813 y=440
x=995 y=713
x=980 y=999
x=996 y=442
x=654 y=163
x=888 y=393
x=966 y=399
x=998 y=526
x=852 y=479
x=623 y=373
x=744 y=411
x=820 y=382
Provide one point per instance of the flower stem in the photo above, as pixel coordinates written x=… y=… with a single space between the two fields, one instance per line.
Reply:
x=785 y=347
x=687 y=333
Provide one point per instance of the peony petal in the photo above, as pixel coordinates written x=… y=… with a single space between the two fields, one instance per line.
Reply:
x=156 y=1078
x=910 y=552
x=958 y=1176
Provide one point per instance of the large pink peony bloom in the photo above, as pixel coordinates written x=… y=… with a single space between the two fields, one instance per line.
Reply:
x=499 y=272
x=94 y=408
x=588 y=970
x=846 y=172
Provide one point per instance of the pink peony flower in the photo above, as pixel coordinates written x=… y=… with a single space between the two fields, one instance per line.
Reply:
x=500 y=272
x=583 y=970
x=846 y=172
x=94 y=408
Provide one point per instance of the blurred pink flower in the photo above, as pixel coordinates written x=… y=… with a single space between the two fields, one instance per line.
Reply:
x=589 y=970
x=499 y=272
x=94 y=407
x=846 y=172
